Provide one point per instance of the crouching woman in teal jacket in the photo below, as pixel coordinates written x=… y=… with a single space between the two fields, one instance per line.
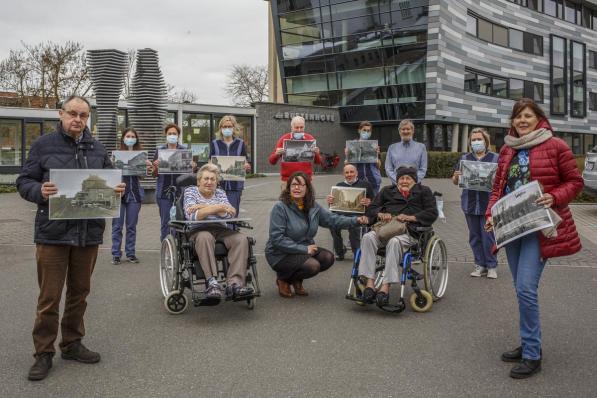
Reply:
x=294 y=220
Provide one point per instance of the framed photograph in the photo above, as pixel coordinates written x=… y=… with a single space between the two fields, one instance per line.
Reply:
x=299 y=150
x=364 y=151
x=348 y=200
x=132 y=163
x=232 y=168
x=516 y=214
x=85 y=194
x=200 y=152
x=477 y=176
x=175 y=161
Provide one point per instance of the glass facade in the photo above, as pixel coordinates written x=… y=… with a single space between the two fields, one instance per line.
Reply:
x=11 y=133
x=578 y=80
x=558 y=76
x=365 y=56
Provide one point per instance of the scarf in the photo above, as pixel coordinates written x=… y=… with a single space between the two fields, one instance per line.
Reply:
x=530 y=140
x=299 y=203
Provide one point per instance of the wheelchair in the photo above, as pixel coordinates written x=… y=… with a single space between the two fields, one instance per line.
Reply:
x=429 y=252
x=180 y=268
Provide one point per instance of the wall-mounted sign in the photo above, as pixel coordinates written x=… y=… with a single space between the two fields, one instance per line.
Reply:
x=315 y=117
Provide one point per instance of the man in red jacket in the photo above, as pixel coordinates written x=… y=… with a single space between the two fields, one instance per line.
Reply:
x=297 y=127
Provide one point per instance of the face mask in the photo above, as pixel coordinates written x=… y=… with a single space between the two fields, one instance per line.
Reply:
x=130 y=141
x=227 y=132
x=172 y=139
x=478 y=146
x=298 y=136
x=365 y=135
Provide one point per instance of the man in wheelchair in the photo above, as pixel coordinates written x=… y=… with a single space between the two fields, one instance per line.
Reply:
x=408 y=202
x=207 y=202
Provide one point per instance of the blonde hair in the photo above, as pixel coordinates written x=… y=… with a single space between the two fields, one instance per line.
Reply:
x=231 y=119
x=210 y=168
x=483 y=132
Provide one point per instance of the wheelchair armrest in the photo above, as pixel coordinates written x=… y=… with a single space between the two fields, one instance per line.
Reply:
x=242 y=224
x=423 y=229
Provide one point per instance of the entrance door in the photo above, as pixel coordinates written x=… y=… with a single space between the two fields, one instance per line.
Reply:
x=32 y=132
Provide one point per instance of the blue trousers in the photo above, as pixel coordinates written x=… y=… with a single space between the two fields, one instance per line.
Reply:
x=480 y=241
x=129 y=215
x=164 y=205
x=524 y=259
x=234 y=199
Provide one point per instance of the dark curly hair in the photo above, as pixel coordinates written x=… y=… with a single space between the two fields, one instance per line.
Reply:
x=309 y=200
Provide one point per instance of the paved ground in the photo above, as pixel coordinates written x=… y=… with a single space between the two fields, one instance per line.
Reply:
x=322 y=345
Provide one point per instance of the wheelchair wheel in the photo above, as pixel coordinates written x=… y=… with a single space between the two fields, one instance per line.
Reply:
x=423 y=303
x=436 y=267
x=251 y=303
x=169 y=265
x=176 y=302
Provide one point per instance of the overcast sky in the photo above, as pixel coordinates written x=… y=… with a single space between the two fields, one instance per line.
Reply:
x=197 y=40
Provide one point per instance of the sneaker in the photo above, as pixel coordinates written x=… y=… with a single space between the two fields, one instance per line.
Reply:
x=40 y=369
x=213 y=291
x=115 y=260
x=132 y=259
x=492 y=273
x=78 y=352
x=479 y=271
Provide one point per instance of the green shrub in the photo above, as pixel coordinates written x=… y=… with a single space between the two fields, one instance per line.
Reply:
x=439 y=164
x=5 y=188
x=255 y=175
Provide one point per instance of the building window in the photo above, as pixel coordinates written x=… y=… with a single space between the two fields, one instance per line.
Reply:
x=570 y=11
x=516 y=40
x=592 y=59
x=485 y=30
x=593 y=101
x=516 y=89
x=501 y=87
x=11 y=135
x=471 y=25
x=578 y=85
x=558 y=89
x=549 y=7
x=196 y=134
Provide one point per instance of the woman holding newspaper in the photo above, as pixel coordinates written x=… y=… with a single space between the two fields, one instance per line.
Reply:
x=532 y=153
x=474 y=202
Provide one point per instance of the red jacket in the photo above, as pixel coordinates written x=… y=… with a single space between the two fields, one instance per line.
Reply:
x=288 y=168
x=553 y=165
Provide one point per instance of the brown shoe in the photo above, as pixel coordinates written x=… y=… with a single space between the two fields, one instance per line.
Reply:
x=76 y=351
x=299 y=290
x=284 y=288
x=41 y=367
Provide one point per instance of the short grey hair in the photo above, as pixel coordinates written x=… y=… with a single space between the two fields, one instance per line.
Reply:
x=211 y=168
x=74 y=98
x=405 y=122
x=297 y=119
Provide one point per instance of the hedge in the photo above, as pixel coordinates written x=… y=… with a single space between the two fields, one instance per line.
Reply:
x=439 y=164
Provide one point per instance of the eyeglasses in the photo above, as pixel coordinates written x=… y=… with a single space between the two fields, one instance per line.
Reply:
x=73 y=114
x=297 y=185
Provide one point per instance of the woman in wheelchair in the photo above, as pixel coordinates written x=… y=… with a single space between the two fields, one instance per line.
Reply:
x=408 y=202
x=294 y=221
x=207 y=202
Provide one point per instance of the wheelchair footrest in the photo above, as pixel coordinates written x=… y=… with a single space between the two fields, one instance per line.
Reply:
x=396 y=309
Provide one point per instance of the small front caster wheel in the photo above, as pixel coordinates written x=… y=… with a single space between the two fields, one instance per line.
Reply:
x=422 y=303
x=176 y=302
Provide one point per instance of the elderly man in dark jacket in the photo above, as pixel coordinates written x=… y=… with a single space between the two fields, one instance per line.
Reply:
x=409 y=202
x=65 y=250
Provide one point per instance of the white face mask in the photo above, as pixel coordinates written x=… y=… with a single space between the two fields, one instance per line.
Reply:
x=172 y=139
x=365 y=135
x=478 y=146
x=298 y=136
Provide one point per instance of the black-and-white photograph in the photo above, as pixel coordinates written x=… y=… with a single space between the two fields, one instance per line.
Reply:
x=299 y=150
x=232 y=168
x=132 y=163
x=347 y=199
x=175 y=161
x=516 y=214
x=200 y=152
x=361 y=151
x=477 y=176
x=84 y=194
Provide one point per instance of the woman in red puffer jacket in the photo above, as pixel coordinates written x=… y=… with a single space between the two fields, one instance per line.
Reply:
x=532 y=153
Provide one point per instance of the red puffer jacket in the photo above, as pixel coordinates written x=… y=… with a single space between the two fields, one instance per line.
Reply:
x=553 y=165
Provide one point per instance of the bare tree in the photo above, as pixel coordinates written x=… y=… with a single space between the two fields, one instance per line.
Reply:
x=16 y=76
x=247 y=84
x=184 y=96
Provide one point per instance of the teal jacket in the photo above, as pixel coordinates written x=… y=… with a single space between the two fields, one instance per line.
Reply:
x=291 y=233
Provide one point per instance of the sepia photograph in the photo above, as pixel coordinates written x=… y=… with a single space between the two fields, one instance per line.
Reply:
x=85 y=194
x=299 y=150
x=477 y=176
x=132 y=163
x=232 y=168
x=361 y=151
x=516 y=214
x=175 y=161
x=347 y=199
x=200 y=152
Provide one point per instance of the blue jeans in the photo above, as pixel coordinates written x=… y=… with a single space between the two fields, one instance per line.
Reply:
x=129 y=213
x=164 y=205
x=526 y=265
x=480 y=241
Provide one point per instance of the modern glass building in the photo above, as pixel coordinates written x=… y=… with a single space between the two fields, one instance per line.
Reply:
x=448 y=65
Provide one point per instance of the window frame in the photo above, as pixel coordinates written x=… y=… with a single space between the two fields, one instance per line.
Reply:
x=584 y=79
x=551 y=76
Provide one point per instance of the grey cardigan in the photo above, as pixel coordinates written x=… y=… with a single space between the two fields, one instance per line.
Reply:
x=291 y=233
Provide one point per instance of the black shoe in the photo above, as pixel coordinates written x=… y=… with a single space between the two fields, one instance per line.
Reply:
x=340 y=257
x=382 y=299
x=115 y=260
x=526 y=368
x=78 y=352
x=41 y=367
x=515 y=355
x=369 y=295
x=132 y=259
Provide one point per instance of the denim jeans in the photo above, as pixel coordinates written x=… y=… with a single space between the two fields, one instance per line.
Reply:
x=481 y=242
x=526 y=265
x=129 y=215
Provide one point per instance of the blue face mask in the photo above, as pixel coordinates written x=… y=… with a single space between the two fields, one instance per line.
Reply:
x=298 y=136
x=478 y=146
x=172 y=139
x=365 y=135
x=227 y=132
x=130 y=141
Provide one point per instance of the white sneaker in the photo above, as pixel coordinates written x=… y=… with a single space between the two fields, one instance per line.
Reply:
x=492 y=273
x=479 y=271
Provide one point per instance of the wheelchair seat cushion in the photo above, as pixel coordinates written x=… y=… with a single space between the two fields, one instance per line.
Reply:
x=220 y=249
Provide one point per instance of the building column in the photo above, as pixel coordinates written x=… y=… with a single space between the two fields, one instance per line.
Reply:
x=464 y=138
x=455 y=136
